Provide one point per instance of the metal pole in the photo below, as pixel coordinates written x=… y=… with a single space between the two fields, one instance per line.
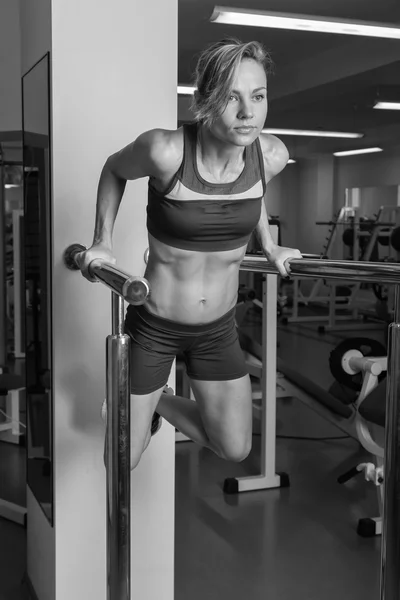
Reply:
x=118 y=457
x=134 y=290
x=3 y=275
x=359 y=271
x=390 y=555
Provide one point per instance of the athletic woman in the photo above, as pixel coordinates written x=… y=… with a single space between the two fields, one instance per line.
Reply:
x=207 y=181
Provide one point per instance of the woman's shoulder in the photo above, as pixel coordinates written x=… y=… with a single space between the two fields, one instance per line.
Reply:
x=274 y=152
x=166 y=148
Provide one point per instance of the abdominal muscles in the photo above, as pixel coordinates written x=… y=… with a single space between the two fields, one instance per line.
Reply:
x=190 y=286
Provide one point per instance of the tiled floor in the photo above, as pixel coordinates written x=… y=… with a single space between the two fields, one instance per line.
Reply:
x=298 y=542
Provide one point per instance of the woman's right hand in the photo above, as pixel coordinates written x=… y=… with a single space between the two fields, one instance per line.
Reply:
x=99 y=251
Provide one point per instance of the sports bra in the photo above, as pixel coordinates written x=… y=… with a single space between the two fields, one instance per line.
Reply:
x=194 y=214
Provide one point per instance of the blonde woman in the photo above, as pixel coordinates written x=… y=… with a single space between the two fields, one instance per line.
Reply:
x=207 y=181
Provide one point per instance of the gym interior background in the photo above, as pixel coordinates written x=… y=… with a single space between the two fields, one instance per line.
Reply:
x=313 y=537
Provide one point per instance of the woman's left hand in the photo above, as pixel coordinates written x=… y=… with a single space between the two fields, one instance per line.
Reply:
x=279 y=256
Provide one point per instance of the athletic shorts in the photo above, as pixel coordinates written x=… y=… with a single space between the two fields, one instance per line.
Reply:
x=211 y=351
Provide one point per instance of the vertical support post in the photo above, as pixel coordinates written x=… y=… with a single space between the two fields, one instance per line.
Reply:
x=390 y=556
x=19 y=288
x=268 y=419
x=3 y=275
x=118 y=457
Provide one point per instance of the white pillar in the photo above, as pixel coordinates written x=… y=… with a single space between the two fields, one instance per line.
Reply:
x=113 y=72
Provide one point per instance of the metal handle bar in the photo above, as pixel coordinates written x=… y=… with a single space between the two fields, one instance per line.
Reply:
x=134 y=290
x=367 y=223
x=372 y=272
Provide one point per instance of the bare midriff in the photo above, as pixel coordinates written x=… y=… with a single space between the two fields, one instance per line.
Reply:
x=189 y=286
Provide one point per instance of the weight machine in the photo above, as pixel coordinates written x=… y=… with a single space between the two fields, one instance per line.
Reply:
x=363 y=236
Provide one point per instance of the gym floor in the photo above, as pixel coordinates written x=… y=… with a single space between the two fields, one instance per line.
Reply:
x=280 y=544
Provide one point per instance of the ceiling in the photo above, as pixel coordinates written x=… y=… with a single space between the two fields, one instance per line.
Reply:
x=320 y=81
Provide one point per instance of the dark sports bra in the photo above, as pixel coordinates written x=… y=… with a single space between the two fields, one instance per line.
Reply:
x=194 y=214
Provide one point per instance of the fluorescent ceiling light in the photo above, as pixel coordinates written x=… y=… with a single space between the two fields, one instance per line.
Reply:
x=186 y=90
x=290 y=161
x=276 y=20
x=359 y=151
x=312 y=133
x=388 y=105
x=8 y=186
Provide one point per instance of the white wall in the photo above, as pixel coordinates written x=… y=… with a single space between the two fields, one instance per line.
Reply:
x=10 y=67
x=313 y=190
x=114 y=71
x=369 y=170
x=109 y=85
x=372 y=198
x=282 y=201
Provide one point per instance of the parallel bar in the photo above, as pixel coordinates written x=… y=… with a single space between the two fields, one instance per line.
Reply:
x=268 y=419
x=134 y=290
x=390 y=559
x=373 y=272
x=131 y=288
x=118 y=409
x=117 y=314
x=118 y=458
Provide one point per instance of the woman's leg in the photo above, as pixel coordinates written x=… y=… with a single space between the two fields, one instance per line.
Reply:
x=220 y=419
x=142 y=410
x=184 y=415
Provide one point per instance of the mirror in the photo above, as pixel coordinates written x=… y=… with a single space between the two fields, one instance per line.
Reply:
x=37 y=251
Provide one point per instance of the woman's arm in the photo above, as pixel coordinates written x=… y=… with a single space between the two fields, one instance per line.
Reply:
x=150 y=155
x=263 y=231
x=275 y=159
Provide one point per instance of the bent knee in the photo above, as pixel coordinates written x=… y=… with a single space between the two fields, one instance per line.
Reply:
x=136 y=455
x=135 y=462
x=237 y=451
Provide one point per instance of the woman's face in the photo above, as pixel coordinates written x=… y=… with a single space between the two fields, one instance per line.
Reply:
x=244 y=117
